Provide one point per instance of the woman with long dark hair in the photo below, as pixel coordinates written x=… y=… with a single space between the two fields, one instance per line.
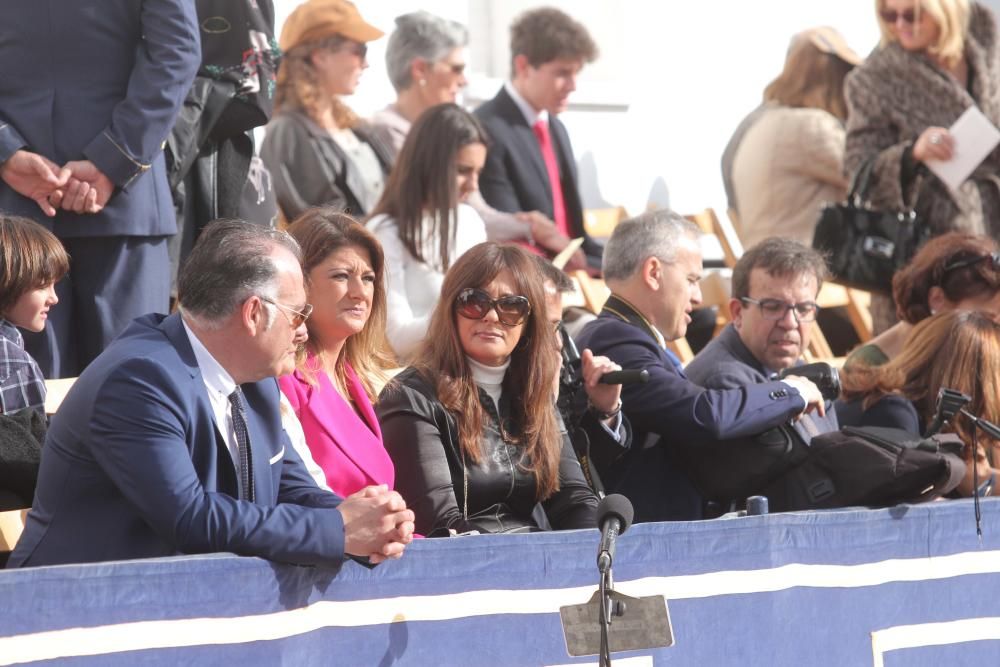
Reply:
x=472 y=425
x=422 y=222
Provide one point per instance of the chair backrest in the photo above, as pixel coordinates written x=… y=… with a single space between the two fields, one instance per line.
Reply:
x=600 y=222
x=709 y=223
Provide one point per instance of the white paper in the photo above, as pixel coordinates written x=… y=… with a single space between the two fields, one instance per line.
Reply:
x=975 y=136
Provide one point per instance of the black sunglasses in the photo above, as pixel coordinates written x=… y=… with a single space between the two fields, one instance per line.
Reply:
x=890 y=16
x=474 y=304
x=993 y=257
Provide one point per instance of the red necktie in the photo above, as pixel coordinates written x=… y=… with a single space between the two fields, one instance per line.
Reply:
x=541 y=129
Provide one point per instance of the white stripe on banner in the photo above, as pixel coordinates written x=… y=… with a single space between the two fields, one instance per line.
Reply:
x=932 y=634
x=143 y=635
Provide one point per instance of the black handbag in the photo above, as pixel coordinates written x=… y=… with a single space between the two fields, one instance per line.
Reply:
x=864 y=247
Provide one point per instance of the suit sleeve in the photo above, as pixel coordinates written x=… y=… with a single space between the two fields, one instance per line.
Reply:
x=144 y=450
x=11 y=140
x=165 y=65
x=674 y=407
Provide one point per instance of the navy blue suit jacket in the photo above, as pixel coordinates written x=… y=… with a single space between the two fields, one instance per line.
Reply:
x=135 y=467
x=514 y=177
x=100 y=80
x=670 y=409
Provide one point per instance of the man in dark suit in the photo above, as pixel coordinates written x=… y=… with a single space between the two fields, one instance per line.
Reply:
x=775 y=285
x=171 y=441
x=652 y=264
x=89 y=90
x=530 y=164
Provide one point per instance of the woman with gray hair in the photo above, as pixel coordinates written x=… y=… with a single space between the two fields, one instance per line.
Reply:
x=426 y=63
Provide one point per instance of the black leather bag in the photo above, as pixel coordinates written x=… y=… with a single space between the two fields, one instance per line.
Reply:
x=869 y=466
x=865 y=247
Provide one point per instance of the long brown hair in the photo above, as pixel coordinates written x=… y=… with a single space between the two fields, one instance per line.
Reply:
x=423 y=180
x=321 y=231
x=811 y=79
x=957 y=349
x=528 y=381
x=298 y=85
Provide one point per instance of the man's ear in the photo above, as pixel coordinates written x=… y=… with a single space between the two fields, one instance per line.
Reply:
x=521 y=65
x=252 y=315
x=652 y=272
x=736 y=312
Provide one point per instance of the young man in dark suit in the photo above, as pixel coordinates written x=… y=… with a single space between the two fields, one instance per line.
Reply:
x=530 y=164
x=171 y=442
x=652 y=264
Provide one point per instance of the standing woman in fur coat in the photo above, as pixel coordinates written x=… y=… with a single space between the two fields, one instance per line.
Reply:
x=936 y=59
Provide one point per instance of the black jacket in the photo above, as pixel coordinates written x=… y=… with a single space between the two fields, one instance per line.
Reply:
x=422 y=439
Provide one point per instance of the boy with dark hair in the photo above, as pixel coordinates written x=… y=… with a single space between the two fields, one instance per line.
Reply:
x=530 y=165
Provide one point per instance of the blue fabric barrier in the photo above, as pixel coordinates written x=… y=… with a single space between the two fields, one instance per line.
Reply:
x=905 y=586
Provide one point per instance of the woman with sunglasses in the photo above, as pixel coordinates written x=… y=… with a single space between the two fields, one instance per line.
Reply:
x=334 y=383
x=472 y=425
x=937 y=58
x=954 y=271
x=422 y=220
x=958 y=349
x=318 y=151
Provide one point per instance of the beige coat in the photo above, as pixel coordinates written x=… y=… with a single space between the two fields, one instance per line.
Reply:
x=788 y=165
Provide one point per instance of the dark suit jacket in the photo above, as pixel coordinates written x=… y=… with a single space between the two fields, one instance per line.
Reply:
x=514 y=177
x=101 y=80
x=726 y=362
x=669 y=411
x=135 y=467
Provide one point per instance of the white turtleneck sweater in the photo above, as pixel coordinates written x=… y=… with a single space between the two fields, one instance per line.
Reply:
x=489 y=378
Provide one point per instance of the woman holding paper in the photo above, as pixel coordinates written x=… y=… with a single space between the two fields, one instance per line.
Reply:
x=936 y=59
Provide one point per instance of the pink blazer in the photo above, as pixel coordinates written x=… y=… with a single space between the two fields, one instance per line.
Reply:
x=347 y=447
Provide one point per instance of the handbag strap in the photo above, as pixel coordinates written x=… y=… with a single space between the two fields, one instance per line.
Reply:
x=858 y=193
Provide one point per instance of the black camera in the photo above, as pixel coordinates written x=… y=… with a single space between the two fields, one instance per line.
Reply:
x=823 y=375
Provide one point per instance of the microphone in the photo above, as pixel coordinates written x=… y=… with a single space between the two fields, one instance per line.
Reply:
x=949 y=403
x=614 y=516
x=635 y=376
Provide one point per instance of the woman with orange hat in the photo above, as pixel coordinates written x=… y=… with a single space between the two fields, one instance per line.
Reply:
x=319 y=152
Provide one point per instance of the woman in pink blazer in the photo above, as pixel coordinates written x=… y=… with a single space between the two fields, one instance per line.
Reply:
x=332 y=388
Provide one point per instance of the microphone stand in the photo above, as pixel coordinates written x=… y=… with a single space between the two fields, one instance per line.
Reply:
x=609 y=608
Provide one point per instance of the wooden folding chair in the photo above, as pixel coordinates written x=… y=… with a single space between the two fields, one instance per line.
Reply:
x=600 y=222
x=709 y=223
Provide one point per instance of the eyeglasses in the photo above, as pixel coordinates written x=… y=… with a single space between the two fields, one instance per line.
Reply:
x=993 y=257
x=360 y=49
x=474 y=304
x=295 y=317
x=890 y=16
x=776 y=309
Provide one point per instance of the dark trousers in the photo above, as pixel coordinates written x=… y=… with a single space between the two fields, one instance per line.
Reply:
x=111 y=281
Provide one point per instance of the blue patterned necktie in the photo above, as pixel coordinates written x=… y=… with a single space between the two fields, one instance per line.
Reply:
x=243 y=444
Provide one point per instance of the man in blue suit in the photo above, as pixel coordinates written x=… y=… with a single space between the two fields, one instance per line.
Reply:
x=652 y=264
x=171 y=441
x=530 y=164
x=89 y=90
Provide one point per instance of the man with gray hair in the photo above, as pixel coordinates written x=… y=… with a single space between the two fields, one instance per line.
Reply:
x=652 y=264
x=171 y=442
